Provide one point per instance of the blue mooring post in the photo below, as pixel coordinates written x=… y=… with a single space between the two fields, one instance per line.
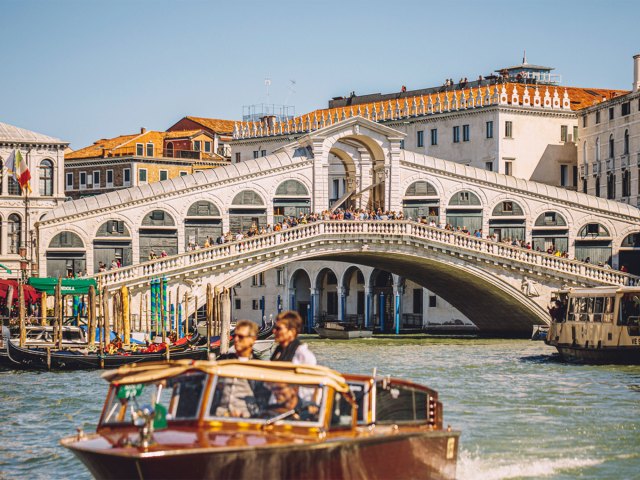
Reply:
x=381 y=312
x=180 y=320
x=397 y=314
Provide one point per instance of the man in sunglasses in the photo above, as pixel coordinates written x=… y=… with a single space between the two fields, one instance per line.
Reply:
x=290 y=349
x=243 y=340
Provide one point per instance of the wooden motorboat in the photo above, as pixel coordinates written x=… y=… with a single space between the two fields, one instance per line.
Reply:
x=342 y=331
x=596 y=325
x=39 y=358
x=256 y=419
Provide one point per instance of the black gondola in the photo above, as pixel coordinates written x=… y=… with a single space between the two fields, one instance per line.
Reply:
x=41 y=359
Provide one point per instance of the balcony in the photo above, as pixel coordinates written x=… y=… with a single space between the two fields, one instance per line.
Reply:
x=584 y=170
x=596 y=168
x=624 y=161
x=611 y=165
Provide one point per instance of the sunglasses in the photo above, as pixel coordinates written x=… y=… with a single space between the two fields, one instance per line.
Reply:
x=241 y=337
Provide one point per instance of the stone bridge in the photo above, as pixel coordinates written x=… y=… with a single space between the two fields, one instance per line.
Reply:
x=484 y=279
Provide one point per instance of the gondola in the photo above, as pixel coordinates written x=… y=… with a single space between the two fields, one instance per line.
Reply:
x=43 y=359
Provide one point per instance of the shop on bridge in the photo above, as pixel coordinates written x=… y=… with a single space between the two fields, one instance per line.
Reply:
x=66 y=255
x=158 y=233
x=508 y=221
x=465 y=211
x=247 y=210
x=629 y=253
x=594 y=243
x=203 y=221
x=421 y=201
x=112 y=242
x=550 y=231
x=291 y=200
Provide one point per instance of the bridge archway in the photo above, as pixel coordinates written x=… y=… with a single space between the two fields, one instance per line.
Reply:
x=158 y=232
x=291 y=199
x=594 y=243
x=66 y=255
x=629 y=253
x=300 y=293
x=112 y=241
x=325 y=306
x=248 y=210
x=421 y=202
x=508 y=221
x=351 y=292
x=203 y=222
x=550 y=232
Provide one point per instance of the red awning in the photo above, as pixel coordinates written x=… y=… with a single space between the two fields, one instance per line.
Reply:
x=31 y=295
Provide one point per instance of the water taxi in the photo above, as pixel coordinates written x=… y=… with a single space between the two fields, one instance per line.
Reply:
x=596 y=325
x=255 y=419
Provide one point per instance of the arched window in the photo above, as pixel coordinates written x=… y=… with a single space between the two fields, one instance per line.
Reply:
x=158 y=218
x=593 y=230
x=626 y=183
x=46 y=178
x=291 y=187
x=507 y=208
x=291 y=199
x=611 y=186
x=170 y=149
x=66 y=255
x=464 y=198
x=14 y=232
x=626 y=142
x=66 y=240
x=611 y=147
x=597 y=192
x=593 y=243
x=247 y=197
x=598 y=149
x=421 y=189
x=550 y=219
x=203 y=224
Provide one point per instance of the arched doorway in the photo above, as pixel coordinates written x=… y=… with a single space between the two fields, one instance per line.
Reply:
x=465 y=211
x=203 y=222
x=593 y=243
x=66 y=255
x=550 y=232
x=291 y=200
x=508 y=221
x=112 y=242
x=421 y=202
x=158 y=232
x=300 y=295
x=353 y=296
x=327 y=294
x=247 y=210
x=629 y=253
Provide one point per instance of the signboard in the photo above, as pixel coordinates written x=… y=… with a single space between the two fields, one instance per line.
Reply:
x=70 y=286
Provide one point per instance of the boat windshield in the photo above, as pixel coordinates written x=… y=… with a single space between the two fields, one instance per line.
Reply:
x=242 y=399
x=177 y=398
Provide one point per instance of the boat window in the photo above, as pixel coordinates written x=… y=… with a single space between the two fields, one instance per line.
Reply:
x=607 y=315
x=240 y=398
x=178 y=398
x=342 y=414
x=398 y=403
x=630 y=309
x=361 y=395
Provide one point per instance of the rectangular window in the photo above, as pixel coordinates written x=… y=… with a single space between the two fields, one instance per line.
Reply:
x=508 y=129
x=258 y=280
x=584 y=121
x=89 y=180
x=126 y=177
x=508 y=167
x=197 y=145
x=564 y=130
x=238 y=303
x=575 y=134
x=69 y=185
x=417 y=300
x=402 y=144
x=263 y=153
x=238 y=157
x=488 y=166
x=563 y=175
x=574 y=175
x=489 y=129
x=83 y=180
x=164 y=174
x=183 y=173
x=420 y=138
x=149 y=149
x=207 y=147
x=280 y=276
x=139 y=149
x=611 y=115
x=434 y=136
x=255 y=304
x=96 y=179
x=626 y=109
x=432 y=301
x=465 y=133
x=256 y=153
x=456 y=134
x=142 y=175
x=109 y=178
x=597 y=117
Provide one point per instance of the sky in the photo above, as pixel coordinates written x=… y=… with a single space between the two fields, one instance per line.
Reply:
x=82 y=70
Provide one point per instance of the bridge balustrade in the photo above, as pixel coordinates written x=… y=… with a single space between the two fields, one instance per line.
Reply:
x=181 y=263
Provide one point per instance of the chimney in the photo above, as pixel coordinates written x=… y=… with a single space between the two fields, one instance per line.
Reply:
x=636 y=72
x=143 y=130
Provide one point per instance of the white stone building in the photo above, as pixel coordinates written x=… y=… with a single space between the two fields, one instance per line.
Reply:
x=19 y=213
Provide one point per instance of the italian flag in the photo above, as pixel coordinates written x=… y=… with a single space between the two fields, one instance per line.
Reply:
x=17 y=166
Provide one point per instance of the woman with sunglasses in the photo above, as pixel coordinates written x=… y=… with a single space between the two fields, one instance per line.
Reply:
x=290 y=349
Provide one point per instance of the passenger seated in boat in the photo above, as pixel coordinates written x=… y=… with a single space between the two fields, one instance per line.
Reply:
x=234 y=397
x=285 y=398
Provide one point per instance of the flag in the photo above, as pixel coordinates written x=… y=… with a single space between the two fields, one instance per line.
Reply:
x=17 y=167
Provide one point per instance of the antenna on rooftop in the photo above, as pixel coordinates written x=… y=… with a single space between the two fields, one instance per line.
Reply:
x=292 y=90
x=524 y=57
x=267 y=84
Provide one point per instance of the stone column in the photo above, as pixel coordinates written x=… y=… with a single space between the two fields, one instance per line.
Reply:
x=320 y=195
x=393 y=200
x=364 y=176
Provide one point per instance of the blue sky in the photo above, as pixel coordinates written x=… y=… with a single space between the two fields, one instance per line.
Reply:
x=82 y=70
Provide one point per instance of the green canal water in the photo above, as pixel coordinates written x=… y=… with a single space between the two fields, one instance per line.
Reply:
x=522 y=413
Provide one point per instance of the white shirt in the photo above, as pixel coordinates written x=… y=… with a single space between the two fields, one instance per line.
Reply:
x=304 y=356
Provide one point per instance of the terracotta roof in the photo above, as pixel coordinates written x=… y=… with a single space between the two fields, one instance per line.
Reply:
x=215 y=124
x=184 y=133
x=120 y=146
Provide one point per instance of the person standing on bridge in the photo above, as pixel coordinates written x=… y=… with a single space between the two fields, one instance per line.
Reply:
x=290 y=349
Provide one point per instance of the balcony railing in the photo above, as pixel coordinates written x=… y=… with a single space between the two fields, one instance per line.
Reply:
x=624 y=161
x=610 y=164
x=596 y=167
x=584 y=170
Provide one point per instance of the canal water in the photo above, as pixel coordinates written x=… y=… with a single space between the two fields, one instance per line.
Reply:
x=522 y=413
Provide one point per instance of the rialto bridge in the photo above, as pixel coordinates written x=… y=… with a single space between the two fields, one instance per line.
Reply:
x=491 y=282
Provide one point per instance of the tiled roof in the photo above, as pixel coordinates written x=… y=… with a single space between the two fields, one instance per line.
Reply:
x=183 y=133
x=215 y=124
x=10 y=133
x=118 y=146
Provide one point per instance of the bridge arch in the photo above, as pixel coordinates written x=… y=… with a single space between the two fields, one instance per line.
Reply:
x=325 y=285
x=351 y=290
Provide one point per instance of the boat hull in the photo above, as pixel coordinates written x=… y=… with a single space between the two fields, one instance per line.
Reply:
x=38 y=359
x=343 y=334
x=609 y=355
x=427 y=455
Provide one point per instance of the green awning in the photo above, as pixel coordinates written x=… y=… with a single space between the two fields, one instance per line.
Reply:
x=70 y=286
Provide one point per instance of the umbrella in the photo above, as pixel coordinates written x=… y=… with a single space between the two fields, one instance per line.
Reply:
x=31 y=295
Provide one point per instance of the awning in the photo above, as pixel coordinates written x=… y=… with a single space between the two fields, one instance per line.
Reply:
x=30 y=294
x=70 y=286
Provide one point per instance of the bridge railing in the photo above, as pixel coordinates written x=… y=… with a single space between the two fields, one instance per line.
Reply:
x=369 y=228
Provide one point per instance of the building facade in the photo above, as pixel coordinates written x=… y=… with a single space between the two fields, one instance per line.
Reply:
x=19 y=212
